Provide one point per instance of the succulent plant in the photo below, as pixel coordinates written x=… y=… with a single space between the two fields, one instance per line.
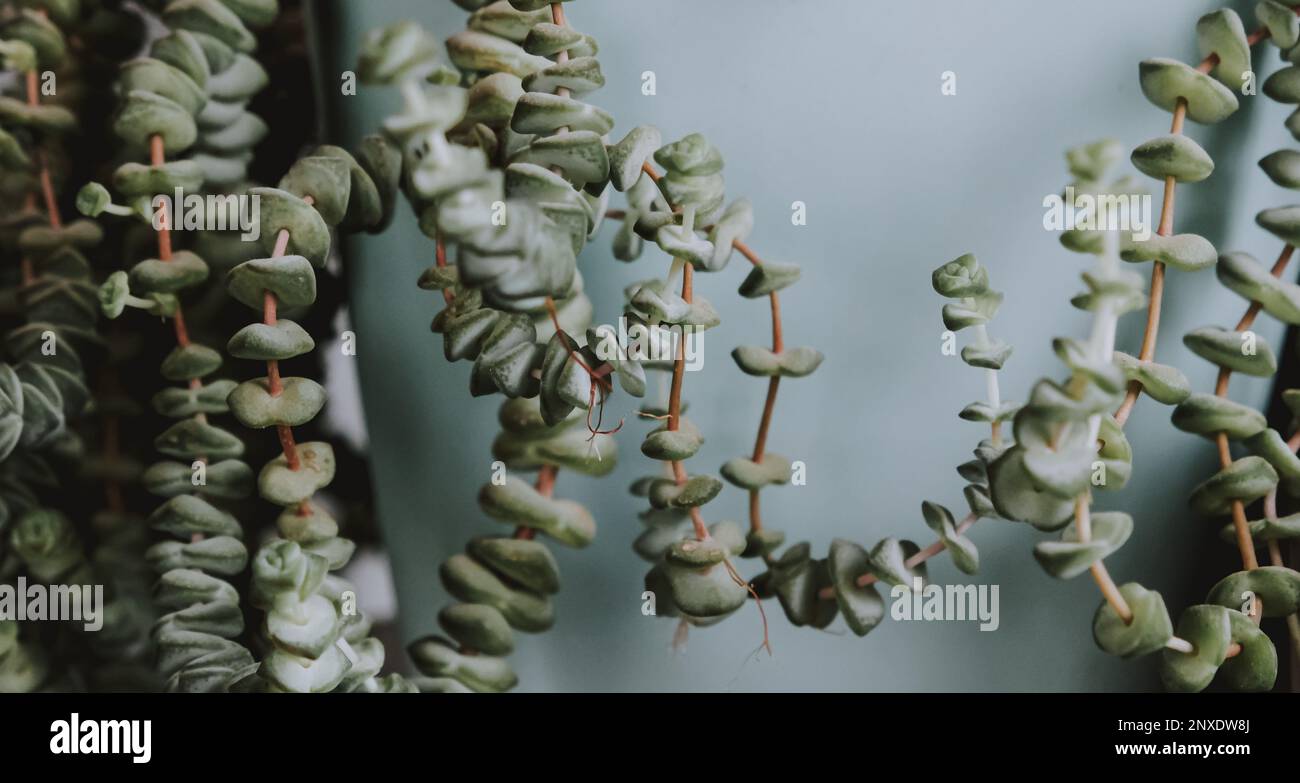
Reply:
x=56 y=291
x=814 y=591
x=693 y=576
x=1065 y=441
x=511 y=172
x=185 y=106
x=163 y=99
x=55 y=50
x=507 y=164
x=310 y=632
x=1228 y=622
x=1045 y=478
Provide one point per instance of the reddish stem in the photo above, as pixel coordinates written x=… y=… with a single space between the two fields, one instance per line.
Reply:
x=1166 y=227
x=287 y=444
x=599 y=376
x=764 y=423
x=157 y=158
x=675 y=399
x=273 y=383
x=1241 y=527
x=47 y=182
x=26 y=268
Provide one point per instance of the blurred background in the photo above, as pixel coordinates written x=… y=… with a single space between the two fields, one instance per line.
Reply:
x=837 y=104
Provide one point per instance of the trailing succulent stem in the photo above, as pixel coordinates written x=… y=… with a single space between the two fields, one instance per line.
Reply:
x=163 y=100
x=318 y=641
x=504 y=163
x=693 y=576
x=1221 y=637
x=184 y=112
x=1046 y=478
x=814 y=591
x=510 y=172
x=694 y=571
x=1256 y=591
x=51 y=49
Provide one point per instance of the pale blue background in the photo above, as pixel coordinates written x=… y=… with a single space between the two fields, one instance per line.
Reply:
x=837 y=103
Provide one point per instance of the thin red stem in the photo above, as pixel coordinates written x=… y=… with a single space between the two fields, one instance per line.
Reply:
x=769 y=406
x=273 y=382
x=157 y=158
x=675 y=399
x=1241 y=527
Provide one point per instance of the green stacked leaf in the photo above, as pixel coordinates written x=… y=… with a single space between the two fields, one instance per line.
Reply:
x=326 y=189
